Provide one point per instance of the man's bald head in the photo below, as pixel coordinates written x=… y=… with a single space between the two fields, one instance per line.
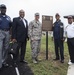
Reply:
x=22 y=13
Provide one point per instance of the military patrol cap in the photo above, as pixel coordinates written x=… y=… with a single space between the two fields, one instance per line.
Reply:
x=2 y=6
x=36 y=14
x=70 y=17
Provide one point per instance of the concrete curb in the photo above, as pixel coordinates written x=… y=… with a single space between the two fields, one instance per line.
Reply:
x=70 y=70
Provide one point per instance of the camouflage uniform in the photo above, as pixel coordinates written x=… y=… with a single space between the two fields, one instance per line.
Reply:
x=35 y=32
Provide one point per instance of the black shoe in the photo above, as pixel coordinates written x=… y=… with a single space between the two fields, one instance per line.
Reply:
x=62 y=61
x=36 y=59
x=23 y=61
x=55 y=59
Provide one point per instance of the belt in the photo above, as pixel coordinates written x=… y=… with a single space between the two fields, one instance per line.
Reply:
x=71 y=38
x=7 y=29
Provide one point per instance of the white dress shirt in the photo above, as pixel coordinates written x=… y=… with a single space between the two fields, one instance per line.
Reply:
x=70 y=30
x=24 y=21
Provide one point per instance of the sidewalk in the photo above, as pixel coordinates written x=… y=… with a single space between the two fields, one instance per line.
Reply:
x=70 y=70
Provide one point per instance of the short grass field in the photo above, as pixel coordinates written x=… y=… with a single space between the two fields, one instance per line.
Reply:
x=48 y=67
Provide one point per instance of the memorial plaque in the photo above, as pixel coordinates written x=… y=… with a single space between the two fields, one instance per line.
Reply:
x=47 y=23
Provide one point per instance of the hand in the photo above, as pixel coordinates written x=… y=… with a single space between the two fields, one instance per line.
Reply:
x=32 y=39
x=28 y=38
x=14 y=40
x=63 y=39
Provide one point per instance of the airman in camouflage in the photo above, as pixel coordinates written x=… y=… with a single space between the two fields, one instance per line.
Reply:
x=35 y=32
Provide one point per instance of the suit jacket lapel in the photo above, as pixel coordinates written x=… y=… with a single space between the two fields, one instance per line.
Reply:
x=20 y=20
x=23 y=23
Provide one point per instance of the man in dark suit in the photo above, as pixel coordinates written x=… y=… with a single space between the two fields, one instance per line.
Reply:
x=20 y=34
x=58 y=31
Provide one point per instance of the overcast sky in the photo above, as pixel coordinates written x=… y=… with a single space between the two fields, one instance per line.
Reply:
x=44 y=7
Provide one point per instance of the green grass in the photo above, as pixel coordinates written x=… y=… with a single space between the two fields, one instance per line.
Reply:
x=47 y=67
